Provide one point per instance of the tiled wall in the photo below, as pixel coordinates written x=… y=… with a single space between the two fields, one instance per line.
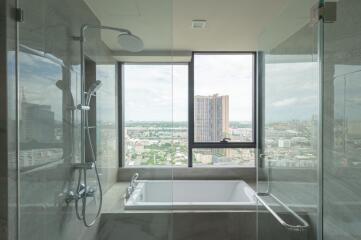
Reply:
x=342 y=124
x=49 y=83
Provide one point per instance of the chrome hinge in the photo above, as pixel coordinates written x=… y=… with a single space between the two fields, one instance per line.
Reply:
x=328 y=12
x=19 y=14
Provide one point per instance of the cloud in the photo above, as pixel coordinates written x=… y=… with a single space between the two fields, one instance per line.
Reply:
x=294 y=101
x=285 y=102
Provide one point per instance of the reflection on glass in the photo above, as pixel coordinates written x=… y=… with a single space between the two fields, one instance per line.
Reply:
x=155 y=111
x=41 y=115
x=223 y=101
x=107 y=149
x=291 y=127
x=347 y=134
x=224 y=157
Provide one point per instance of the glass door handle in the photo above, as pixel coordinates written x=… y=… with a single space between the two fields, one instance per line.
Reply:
x=299 y=227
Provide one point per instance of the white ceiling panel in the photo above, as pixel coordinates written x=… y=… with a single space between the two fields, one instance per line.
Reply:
x=167 y=24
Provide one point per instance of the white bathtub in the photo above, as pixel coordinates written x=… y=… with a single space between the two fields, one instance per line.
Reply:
x=191 y=195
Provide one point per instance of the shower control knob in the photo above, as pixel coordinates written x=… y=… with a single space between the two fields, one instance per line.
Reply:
x=70 y=197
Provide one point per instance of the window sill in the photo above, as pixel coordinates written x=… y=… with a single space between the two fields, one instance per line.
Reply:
x=185 y=173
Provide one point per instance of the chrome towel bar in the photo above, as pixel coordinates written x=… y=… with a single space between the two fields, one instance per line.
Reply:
x=300 y=227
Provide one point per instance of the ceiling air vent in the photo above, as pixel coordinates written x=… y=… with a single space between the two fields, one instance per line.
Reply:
x=199 y=24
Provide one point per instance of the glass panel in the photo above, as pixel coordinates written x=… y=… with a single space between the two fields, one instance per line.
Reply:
x=153 y=136
x=290 y=127
x=55 y=200
x=224 y=157
x=223 y=97
x=342 y=145
x=106 y=116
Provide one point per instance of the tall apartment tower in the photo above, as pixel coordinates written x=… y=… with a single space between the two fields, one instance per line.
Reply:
x=211 y=118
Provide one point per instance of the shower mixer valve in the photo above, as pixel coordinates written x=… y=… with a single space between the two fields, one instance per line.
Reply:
x=82 y=192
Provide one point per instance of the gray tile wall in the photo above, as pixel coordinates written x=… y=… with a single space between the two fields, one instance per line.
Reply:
x=178 y=226
x=342 y=124
x=193 y=225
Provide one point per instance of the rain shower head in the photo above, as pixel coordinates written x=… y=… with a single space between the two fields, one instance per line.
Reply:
x=126 y=39
x=130 y=42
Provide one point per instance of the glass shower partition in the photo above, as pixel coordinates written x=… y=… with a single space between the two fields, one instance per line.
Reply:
x=50 y=127
x=342 y=118
x=289 y=153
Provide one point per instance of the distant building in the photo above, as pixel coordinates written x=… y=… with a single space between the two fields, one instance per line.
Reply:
x=211 y=118
x=37 y=123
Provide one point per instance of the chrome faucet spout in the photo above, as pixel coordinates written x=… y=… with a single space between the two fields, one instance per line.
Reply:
x=132 y=185
x=135 y=177
x=133 y=181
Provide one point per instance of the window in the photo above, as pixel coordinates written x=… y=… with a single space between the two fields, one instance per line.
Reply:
x=222 y=109
x=155 y=114
x=196 y=114
x=223 y=97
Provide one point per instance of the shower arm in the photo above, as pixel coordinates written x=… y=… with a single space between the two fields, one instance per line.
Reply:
x=82 y=55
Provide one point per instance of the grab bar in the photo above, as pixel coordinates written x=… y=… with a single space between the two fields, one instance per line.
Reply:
x=298 y=228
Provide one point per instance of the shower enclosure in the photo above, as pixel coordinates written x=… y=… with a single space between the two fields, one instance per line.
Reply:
x=308 y=153
x=305 y=180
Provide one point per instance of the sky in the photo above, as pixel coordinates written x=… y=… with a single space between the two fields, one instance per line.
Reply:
x=159 y=92
x=291 y=91
x=230 y=75
x=155 y=92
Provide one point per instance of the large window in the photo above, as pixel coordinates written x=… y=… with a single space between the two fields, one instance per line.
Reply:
x=197 y=114
x=155 y=114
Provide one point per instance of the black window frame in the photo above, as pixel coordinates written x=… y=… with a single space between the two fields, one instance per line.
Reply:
x=191 y=143
x=196 y=145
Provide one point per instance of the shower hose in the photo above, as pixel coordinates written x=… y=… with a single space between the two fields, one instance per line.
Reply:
x=82 y=215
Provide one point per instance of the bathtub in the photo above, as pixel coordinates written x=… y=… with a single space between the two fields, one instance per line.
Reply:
x=191 y=195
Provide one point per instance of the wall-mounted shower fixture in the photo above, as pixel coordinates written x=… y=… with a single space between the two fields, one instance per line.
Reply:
x=91 y=91
x=128 y=42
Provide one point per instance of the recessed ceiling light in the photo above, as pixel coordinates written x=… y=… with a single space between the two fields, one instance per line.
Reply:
x=199 y=24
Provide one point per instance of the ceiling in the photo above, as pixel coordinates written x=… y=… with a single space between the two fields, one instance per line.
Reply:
x=165 y=25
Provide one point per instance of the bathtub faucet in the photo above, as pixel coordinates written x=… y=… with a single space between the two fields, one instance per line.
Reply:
x=132 y=185
x=133 y=181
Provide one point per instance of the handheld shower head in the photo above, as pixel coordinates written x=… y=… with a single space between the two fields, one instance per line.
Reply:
x=92 y=89
x=95 y=86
